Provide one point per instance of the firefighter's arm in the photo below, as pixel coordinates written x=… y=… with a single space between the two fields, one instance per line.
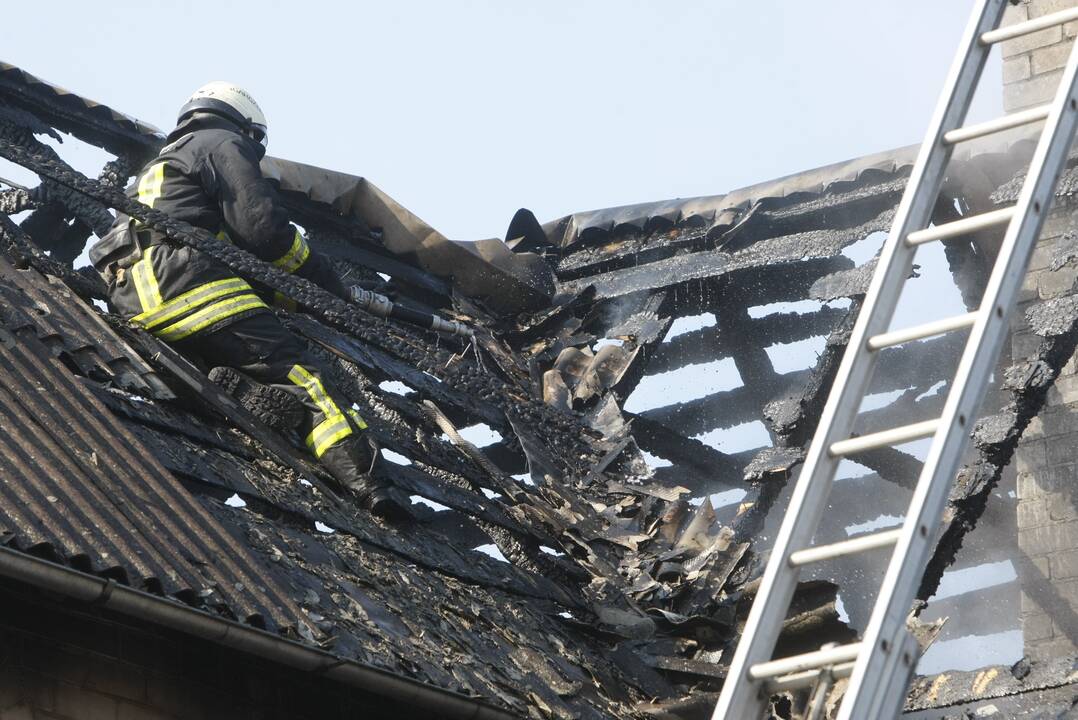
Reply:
x=256 y=220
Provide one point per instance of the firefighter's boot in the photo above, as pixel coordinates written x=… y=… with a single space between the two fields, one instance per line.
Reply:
x=351 y=462
x=277 y=408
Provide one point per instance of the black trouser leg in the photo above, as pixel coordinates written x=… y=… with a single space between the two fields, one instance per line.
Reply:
x=261 y=347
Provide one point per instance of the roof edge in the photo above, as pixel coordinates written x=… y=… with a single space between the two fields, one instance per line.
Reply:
x=718 y=211
x=198 y=623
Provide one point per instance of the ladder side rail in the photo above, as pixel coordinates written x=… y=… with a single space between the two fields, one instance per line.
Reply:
x=887 y=623
x=741 y=698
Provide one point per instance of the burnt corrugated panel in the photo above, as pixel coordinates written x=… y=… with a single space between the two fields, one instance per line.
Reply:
x=66 y=324
x=719 y=211
x=77 y=487
x=88 y=120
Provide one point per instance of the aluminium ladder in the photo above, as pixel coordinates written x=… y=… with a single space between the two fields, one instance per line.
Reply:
x=881 y=664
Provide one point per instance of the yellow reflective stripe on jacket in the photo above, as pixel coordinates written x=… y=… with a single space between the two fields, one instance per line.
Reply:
x=190 y=301
x=149 y=294
x=149 y=185
x=328 y=433
x=209 y=315
x=293 y=260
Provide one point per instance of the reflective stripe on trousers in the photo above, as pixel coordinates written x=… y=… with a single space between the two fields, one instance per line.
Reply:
x=334 y=426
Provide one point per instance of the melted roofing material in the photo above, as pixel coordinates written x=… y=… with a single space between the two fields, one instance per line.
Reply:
x=507 y=281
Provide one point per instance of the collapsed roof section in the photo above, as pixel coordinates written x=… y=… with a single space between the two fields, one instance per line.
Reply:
x=625 y=584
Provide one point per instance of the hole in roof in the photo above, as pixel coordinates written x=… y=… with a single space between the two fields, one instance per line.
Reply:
x=384 y=277
x=728 y=497
x=551 y=551
x=420 y=500
x=916 y=448
x=654 y=461
x=395 y=457
x=883 y=522
x=799 y=306
x=978 y=577
x=931 y=296
x=684 y=384
x=490 y=493
x=235 y=501
x=879 y=400
x=795 y=306
x=101 y=305
x=932 y=390
x=689 y=323
x=840 y=609
x=17 y=174
x=747 y=436
x=525 y=478
x=86 y=158
x=479 y=435
x=305 y=481
x=323 y=528
x=866 y=248
x=796 y=355
x=848 y=469
x=604 y=342
x=492 y=550
x=972 y=652
x=395 y=386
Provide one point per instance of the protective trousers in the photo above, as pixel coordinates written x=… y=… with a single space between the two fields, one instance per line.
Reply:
x=261 y=347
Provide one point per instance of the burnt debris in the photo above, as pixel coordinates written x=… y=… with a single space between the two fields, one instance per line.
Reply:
x=622 y=546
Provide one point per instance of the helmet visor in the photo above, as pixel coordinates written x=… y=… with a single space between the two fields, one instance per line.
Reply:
x=259 y=134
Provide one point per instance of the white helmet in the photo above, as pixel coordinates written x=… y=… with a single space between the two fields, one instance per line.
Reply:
x=229 y=101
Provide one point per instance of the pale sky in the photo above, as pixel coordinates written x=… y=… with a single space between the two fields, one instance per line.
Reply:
x=465 y=111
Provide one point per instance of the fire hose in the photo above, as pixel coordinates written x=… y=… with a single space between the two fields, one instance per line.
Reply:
x=383 y=307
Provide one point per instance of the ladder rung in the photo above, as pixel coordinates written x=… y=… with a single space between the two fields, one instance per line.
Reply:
x=919 y=332
x=845 y=547
x=1030 y=26
x=808 y=678
x=885 y=438
x=960 y=227
x=808 y=661
x=998 y=125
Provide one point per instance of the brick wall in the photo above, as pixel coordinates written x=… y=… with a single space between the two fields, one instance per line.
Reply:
x=64 y=661
x=1047 y=460
x=1033 y=64
x=1047 y=466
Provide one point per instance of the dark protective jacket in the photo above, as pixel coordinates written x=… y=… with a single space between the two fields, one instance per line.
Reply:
x=207 y=175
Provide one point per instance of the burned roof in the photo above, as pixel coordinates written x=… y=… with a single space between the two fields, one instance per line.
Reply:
x=621 y=543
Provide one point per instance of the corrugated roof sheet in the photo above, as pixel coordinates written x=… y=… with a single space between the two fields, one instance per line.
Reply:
x=82 y=117
x=720 y=211
x=66 y=325
x=77 y=487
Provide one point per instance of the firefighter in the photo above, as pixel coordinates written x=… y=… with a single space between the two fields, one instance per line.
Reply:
x=208 y=175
